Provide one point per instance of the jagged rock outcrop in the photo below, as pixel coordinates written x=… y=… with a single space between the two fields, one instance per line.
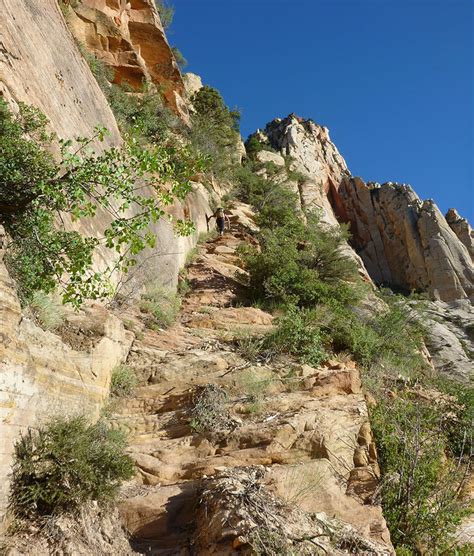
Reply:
x=129 y=38
x=313 y=154
x=402 y=241
x=462 y=229
x=450 y=338
x=405 y=242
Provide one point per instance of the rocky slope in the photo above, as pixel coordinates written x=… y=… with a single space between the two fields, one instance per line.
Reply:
x=287 y=455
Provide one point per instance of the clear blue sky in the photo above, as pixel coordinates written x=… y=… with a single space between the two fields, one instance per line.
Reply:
x=392 y=79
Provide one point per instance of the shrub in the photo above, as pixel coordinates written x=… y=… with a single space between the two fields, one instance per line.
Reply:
x=37 y=191
x=161 y=305
x=143 y=115
x=178 y=56
x=274 y=204
x=47 y=311
x=166 y=13
x=298 y=333
x=209 y=413
x=301 y=264
x=124 y=380
x=420 y=487
x=65 y=463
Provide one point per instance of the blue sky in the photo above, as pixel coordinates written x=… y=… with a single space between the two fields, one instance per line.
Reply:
x=392 y=79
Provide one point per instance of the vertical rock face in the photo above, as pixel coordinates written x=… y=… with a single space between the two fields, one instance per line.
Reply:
x=462 y=229
x=405 y=242
x=129 y=38
x=41 y=65
x=402 y=241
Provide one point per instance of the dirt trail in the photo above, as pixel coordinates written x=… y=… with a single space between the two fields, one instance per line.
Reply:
x=308 y=427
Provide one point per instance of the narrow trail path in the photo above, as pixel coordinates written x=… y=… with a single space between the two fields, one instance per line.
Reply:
x=202 y=407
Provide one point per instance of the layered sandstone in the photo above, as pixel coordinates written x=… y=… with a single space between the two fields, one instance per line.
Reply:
x=305 y=448
x=129 y=38
x=43 y=375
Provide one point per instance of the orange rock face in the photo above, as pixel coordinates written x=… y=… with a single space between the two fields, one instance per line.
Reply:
x=129 y=37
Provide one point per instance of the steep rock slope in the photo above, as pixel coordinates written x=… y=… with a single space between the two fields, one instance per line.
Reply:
x=306 y=448
x=129 y=38
x=46 y=69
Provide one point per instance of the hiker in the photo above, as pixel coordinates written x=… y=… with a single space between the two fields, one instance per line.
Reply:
x=221 y=218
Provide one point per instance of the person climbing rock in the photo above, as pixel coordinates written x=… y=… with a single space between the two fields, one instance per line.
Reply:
x=221 y=219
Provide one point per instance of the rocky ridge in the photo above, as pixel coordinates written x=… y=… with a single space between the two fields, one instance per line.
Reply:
x=397 y=239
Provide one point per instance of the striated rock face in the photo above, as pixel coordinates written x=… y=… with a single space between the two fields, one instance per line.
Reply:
x=462 y=229
x=42 y=374
x=405 y=242
x=129 y=38
x=46 y=69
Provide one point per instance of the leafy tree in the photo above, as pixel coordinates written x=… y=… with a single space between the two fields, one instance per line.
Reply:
x=37 y=192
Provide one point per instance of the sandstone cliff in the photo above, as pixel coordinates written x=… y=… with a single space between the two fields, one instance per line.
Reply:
x=129 y=38
x=403 y=242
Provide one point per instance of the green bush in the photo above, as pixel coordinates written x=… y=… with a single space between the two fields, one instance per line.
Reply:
x=299 y=334
x=124 y=380
x=214 y=130
x=142 y=114
x=65 y=463
x=301 y=264
x=274 y=204
x=420 y=486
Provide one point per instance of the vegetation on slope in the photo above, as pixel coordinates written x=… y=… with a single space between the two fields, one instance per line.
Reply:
x=40 y=192
x=65 y=463
x=424 y=439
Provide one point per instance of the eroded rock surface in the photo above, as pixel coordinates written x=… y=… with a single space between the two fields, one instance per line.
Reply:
x=405 y=242
x=306 y=427
x=42 y=376
x=462 y=229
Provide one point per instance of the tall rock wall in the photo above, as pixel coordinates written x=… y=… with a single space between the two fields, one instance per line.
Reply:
x=405 y=242
x=40 y=64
